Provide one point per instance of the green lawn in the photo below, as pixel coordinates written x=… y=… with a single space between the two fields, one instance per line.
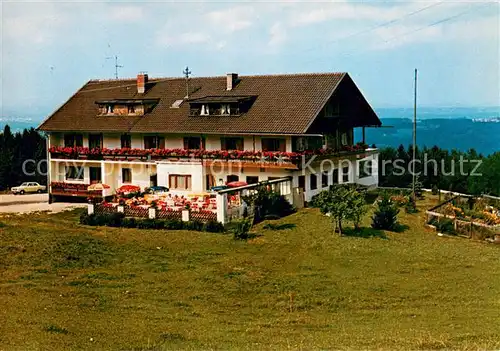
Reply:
x=66 y=286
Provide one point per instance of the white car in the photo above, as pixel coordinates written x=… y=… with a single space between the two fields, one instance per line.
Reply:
x=28 y=187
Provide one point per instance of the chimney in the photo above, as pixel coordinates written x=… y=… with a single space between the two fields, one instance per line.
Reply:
x=232 y=80
x=142 y=80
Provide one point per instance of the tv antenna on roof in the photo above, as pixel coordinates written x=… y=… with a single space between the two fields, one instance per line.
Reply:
x=187 y=72
x=116 y=64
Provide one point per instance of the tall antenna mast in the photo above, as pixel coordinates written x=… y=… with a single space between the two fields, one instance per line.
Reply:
x=414 y=133
x=116 y=65
x=187 y=72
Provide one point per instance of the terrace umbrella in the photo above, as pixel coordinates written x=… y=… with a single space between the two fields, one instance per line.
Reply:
x=128 y=189
x=97 y=187
x=236 y=184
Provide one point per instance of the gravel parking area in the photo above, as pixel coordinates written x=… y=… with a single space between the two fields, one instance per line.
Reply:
x=34 y=202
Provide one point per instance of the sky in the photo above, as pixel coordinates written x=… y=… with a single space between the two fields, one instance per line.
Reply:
x=51 y=48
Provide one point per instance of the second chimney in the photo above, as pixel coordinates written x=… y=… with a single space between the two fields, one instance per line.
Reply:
x=142 y=80
x=232 y=80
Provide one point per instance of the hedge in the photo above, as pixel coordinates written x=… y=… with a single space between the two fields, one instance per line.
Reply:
x=119 y=220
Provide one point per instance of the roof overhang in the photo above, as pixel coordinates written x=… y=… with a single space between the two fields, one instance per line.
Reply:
x=127 y=101
x=222 y=99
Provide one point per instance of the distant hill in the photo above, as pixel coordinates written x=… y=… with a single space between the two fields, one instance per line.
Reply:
x=457 y=133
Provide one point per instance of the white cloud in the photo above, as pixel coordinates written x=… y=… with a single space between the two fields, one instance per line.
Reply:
x=232 y=19
x=36 y=25
x=126 y=13
x=278 y=34
x=184 y=38
x=345 y=11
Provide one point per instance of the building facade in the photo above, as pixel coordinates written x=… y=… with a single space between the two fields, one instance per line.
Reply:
x=191 y=135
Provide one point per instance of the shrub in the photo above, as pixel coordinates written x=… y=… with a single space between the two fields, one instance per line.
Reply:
x=213 y=227
x=241 y=230
x=385 y=217
x=150 y=224
x=174 y=224
x=193 y=225
x=129 y=223
x=435 y=190
x=445 y=225
x=115 y=219
x=267 y=202
x=411 y=206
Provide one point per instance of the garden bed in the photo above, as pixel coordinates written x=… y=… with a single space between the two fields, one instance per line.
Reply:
x=473 y=217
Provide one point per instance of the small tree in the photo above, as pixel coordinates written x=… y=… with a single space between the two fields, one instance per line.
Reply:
x=385 y=217
x=342 y=203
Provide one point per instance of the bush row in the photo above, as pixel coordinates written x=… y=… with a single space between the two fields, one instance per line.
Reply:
x=119 y=220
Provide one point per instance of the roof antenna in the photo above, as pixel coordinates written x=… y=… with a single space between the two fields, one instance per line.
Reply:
x=116 y=65
x=187 y=72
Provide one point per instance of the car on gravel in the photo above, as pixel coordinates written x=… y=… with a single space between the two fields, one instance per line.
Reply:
x=28 y=187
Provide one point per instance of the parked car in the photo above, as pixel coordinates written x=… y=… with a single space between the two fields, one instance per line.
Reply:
x=28 y=187
x=157 y=189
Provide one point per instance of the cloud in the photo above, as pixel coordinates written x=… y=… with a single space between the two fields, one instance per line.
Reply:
x=232 y=19
x=186 y=38
x=35 y=25
x=345 y=11
x=126 y=13
x=278 y=34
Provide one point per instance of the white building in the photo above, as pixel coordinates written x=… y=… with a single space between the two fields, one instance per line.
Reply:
x=190 y=135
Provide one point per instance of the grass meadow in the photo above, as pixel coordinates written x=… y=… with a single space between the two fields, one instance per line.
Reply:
x=295 y=285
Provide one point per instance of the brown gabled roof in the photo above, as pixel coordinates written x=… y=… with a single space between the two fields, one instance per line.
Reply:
x=284 y=104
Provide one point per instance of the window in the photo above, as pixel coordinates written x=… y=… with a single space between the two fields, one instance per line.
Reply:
x=179 y=182
x=232 y=178
x=154 y=142
x=210 y=181
x=252 y=179
x=126 y=141
x=74 y=173
x=273 y=144
x=231 y=143
x=225 y=109
x=126 y=175
x=95 y=175
x=131 y=109
x=313 y=179
x=345 y=175
x=109 y=109
x=344 y=139
x=335 y=176
x=365 y=168
x=95 y=141
x=191 y=143
x=72 y=140
x=302 y=182
x=324 y=179
x=204 y=110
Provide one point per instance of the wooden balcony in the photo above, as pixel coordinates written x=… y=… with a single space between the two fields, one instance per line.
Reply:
x=268 y=159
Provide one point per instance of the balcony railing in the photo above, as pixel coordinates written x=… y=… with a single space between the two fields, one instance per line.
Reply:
x=126 y=154
x=73 y=189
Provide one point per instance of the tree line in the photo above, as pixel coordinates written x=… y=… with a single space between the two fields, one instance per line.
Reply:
x=465 y=172
x=22 y=157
